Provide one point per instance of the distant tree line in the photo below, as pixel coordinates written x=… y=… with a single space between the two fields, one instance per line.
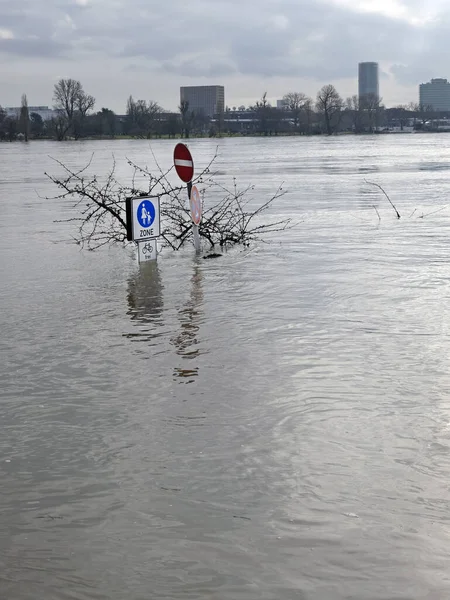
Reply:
x=75 y=117
x=330 y=113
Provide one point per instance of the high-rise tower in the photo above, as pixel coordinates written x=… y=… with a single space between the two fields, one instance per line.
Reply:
x=368 y=80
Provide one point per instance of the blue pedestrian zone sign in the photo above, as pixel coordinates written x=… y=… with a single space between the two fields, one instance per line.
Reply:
x=143 y=219
x=146 y=214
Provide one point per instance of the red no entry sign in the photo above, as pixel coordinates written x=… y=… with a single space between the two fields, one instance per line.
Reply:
x=183 y=162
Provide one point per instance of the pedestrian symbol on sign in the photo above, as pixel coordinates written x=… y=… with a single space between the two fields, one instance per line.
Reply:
x=146 y=214
x=143 y=218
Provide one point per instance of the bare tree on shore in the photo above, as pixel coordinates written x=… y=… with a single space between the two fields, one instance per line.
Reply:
x=263 y=109
x=187 y=118
x=72 y=104
x=329 y=105
x=297 y=104
x=24 y=118
x=84 y=103
x=425 y=112
x=142 y=117
x=370 y=107
x=352 y=106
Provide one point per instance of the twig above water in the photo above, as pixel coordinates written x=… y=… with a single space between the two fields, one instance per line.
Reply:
x=433 y=212
x=390 y=201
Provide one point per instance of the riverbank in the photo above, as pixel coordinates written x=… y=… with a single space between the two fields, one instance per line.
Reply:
x=221 y=136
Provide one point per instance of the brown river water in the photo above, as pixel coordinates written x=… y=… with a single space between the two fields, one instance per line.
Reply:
x=273 y=424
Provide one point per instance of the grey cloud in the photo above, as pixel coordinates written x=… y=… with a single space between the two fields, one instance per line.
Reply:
x=320 y=44
x=430 y=58
x=36 y=30
x=199 y=68
x=320 y=41
x=291 y=38
x=412 y=74
x=153 y=49
x=33 y=48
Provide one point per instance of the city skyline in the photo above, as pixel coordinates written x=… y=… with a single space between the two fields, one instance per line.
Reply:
x=367 y=83
x=279 y=48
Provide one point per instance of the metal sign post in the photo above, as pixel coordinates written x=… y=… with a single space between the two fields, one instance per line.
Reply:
x=196 y=213
x=184 y=166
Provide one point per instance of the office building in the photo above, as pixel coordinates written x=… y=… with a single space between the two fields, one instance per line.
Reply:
x=44 y=112
x=209 y=99
x=368 y=80
x=435 y=94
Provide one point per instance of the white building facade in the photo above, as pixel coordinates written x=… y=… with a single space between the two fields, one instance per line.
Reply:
x=435 y=94
x=44 y=112
x=208 y=99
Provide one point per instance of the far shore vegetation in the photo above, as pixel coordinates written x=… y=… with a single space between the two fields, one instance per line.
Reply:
x=74 y=117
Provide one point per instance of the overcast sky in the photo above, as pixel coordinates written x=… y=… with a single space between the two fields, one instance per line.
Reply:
x=150 y=48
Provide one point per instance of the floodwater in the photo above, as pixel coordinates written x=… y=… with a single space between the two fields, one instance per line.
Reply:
x=272 y=424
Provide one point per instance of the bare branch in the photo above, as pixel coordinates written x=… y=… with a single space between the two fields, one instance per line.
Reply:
x=376 y=210
x=390 y=201
x=99 y=205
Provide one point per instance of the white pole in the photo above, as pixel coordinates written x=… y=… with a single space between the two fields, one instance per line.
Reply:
x=195 y=232
x=196 y=237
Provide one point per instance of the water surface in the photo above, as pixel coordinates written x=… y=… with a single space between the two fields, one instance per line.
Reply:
x=273 y=424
